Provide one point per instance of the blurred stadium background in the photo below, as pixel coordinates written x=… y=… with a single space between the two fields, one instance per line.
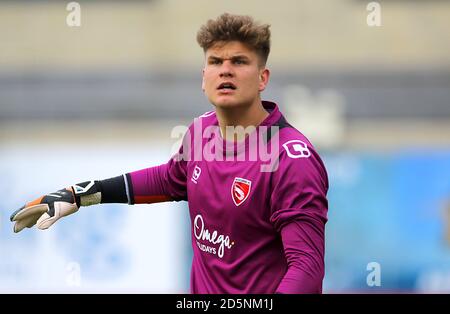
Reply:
x=95 y=101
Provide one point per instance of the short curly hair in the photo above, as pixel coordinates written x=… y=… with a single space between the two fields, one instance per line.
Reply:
x=229 y=27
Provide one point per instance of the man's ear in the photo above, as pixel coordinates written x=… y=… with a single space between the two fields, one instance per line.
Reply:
x=203 y=79
x=263 y=79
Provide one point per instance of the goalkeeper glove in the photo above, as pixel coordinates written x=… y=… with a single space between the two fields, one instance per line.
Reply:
x=48 y=209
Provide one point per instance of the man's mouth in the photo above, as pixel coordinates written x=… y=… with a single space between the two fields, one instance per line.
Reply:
x=226 y=86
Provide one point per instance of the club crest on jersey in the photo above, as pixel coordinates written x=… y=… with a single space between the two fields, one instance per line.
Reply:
x=240 y=190
x=297 y=149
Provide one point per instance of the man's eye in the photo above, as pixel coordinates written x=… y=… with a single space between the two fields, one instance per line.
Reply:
x=239 y=62
x=214 y=62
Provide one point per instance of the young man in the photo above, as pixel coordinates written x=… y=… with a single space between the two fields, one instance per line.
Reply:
x=255 y=229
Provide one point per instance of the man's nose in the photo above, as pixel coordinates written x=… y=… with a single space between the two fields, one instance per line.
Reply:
x=226 y=69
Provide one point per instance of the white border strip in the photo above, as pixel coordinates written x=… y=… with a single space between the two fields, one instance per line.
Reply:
x=126 y=189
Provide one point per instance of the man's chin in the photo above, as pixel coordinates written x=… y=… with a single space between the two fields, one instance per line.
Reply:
x=227 y=103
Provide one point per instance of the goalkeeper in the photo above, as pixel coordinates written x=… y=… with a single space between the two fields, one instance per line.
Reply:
x=253 y=231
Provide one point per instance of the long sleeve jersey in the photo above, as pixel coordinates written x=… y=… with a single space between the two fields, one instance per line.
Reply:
x=257 y=224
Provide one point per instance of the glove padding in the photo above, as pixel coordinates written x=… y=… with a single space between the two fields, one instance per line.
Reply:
x=45 y=211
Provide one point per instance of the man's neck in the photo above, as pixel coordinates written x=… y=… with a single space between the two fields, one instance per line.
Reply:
x=243 y=117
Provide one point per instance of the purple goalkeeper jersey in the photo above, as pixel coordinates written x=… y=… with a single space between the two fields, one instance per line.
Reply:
x=257 y=224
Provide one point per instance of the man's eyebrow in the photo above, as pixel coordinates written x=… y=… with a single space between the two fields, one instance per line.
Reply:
x=239 y=57
x=214 y=58
x=231 y=58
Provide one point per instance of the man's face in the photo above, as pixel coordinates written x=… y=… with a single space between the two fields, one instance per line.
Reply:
x=233 y=75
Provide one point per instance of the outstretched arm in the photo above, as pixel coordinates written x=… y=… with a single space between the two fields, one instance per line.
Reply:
x=151 y=185
x=46 y=210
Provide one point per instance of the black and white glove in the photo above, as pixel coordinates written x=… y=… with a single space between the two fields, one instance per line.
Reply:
x=46 y=210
